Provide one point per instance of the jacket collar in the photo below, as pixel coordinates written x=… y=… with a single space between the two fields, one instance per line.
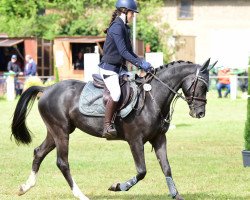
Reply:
x=123 y=17
x=120 y=21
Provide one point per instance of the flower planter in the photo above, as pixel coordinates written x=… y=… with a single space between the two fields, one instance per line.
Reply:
x=246 y=158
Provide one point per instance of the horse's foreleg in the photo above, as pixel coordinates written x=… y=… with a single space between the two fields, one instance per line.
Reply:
x=62 y=145
x=39 y=154
x=137 y=149
x=159 y=144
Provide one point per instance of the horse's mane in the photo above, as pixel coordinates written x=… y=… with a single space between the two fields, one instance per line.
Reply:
x=173 y=63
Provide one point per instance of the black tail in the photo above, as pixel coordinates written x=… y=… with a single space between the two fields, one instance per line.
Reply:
x=18 y=127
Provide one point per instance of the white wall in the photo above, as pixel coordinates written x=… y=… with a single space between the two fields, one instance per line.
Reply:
x=230 y=47
x=215 y=24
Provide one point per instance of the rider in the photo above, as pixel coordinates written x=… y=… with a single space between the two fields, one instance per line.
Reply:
x=117 y=50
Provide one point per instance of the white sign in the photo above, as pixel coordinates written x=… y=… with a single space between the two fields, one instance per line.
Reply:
x=233 y=87
x=91 y=62
x=156 y=59
x=10 y=88
x=59 y=59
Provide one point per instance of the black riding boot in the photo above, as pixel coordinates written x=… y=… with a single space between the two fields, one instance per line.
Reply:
x=109 y=130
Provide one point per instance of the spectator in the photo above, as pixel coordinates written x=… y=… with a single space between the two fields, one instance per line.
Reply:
x=223 y=81
x=30 y=67
x=78 y=64
x=14 y=67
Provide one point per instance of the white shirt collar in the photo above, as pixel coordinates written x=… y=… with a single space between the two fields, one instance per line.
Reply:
x=123 y=17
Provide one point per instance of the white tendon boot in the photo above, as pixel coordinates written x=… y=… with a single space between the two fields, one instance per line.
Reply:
x=29 y=183
x=77 y=192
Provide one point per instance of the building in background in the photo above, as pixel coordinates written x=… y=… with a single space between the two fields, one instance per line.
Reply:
x=19 y=47
x=66 y=50
x=219 y=29
x=61 y=53
x=39 y=49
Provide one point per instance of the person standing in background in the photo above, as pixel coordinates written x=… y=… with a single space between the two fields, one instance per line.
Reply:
x=30 y=67
x=78 y=64
x=14 y=67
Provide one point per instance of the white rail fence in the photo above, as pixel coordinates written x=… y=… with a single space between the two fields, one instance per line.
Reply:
x=235 y=81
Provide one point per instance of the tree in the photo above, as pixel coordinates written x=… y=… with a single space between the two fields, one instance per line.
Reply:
x=79 y=17
x=19 y=18
x=247 y=125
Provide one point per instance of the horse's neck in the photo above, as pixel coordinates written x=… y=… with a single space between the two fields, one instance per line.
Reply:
x=173 y=77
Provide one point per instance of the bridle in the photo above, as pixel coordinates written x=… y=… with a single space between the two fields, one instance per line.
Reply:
x=189 y=99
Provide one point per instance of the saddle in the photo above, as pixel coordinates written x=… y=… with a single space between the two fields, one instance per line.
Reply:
x=126 y=91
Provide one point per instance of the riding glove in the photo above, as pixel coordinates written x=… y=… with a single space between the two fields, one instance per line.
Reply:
x=146 y=66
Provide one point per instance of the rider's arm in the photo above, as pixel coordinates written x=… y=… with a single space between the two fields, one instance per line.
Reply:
x=117 y=34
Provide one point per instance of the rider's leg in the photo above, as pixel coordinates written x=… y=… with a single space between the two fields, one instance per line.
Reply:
x=111 y=80
x=109 y=130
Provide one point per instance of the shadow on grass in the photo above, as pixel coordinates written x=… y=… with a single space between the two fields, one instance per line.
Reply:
x=3 y=98
x=197 y=196
x=182 y=125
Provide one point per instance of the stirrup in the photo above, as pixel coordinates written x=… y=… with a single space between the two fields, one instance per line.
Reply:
x=109 y=132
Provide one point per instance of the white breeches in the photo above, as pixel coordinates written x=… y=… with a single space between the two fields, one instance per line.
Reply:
x=112 y=82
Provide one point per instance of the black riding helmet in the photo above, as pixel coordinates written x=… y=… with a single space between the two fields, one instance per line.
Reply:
x=128 y=4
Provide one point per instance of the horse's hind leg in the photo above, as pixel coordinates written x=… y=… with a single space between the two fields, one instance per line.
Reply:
x=159 y=144
x=39 y=154
x=62 y=145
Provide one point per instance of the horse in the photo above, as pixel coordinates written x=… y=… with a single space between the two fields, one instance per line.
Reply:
x=59 y=109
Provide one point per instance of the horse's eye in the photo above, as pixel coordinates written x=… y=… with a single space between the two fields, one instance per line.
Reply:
x=204 y=87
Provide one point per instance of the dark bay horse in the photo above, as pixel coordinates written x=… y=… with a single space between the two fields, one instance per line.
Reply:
x=59 y=110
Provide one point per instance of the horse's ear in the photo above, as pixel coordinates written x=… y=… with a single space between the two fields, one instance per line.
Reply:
x=205 y=65
x=212 y=66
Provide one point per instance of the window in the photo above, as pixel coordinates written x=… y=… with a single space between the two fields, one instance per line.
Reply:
x=78 y=51
x=185 y=9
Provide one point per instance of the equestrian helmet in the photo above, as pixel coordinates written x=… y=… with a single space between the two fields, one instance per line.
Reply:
x=128 y=4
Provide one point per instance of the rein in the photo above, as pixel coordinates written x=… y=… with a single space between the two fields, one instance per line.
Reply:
x=171 y=89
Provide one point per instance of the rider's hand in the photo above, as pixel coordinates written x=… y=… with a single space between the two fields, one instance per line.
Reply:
x=146 y=66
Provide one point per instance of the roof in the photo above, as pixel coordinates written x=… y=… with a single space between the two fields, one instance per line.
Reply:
x=9 y=42
x=85 y=39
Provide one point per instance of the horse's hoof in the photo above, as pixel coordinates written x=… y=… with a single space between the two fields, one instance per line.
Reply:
x=179 y=197
x=115 y=187
x=21 y=191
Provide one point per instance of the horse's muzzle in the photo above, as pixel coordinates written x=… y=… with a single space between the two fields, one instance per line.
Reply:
x=194 y=114
x=201 y=114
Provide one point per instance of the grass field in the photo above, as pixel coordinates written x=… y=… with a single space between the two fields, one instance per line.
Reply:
x=205 y=156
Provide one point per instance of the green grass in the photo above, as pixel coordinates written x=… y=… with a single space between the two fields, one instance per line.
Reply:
x=205 y=156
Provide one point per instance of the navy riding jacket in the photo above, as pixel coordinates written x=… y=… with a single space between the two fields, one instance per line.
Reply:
x=117 y=47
